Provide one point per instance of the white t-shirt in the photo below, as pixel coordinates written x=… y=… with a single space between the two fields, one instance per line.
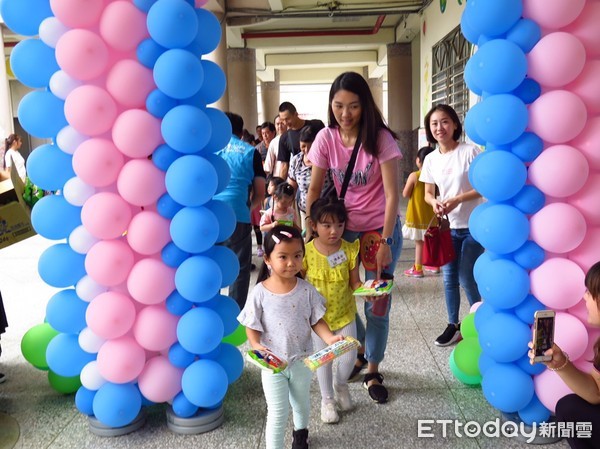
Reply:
x=450 y=172
x=271 y=164
x=18 y=160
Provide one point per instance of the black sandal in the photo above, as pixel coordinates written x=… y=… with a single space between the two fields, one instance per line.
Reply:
x=356 y=369
x=377 y=391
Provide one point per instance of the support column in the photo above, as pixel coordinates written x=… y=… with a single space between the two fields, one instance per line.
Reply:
x=270 y=98
x=241 y=77
x=376 y=86
x=219 y=57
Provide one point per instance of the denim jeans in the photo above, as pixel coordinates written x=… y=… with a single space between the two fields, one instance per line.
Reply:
x=375 y=335
x=289 y=387
x=240 y=243
x=459 y=272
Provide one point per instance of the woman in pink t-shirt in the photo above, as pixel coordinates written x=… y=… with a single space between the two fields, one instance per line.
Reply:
x=371 y=200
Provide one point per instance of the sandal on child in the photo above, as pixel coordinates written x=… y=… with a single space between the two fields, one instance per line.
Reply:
x=356 y=369
x=377 y=391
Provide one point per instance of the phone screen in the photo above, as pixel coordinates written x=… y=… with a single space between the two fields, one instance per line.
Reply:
x=544 y=334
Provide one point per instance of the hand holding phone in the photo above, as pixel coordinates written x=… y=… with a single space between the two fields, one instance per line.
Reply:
x=543 y=335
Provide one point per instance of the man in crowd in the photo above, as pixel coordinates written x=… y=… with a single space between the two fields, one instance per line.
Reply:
x=272 y=166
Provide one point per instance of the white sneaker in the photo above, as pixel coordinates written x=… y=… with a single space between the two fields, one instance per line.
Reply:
x=344 y=400
x=329 y=414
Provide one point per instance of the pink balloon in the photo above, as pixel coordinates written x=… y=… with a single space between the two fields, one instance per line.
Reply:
x=552 y=13
x=155 y=329
x=200 y=3
x=570 y=335
x=121 y=360
x=77 y=13
x=579 y=311
x=587 y=254
x=558 y=283
x=109 y=262
x=587 y=142
x=141 y=183
x=557 y=116
x=136 y=133
x=475 y=306
x=90 y=110
x=151 y=281
x=123 y=26
x=160 y=381
x=556 y=60
x=549 y=388
x=110 y=315
x=82 y=54
x=586 y=86
x=588 y=199
x=148 y=233
x=98 y=162
x=559 y=171
x=129 y=82
x=106 y=215
x=586 y=29
x=558 y=228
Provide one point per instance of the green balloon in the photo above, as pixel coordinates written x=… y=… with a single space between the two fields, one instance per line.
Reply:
x=466 y=356
x=64 y=385
x=237 y=337
x=464 y=378
x=467 y=326
x=34 y=344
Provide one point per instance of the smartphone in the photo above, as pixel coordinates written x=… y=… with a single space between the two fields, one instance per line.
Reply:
x=543 y=334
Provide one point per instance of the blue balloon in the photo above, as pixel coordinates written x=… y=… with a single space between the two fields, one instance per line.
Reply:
x=33 y=63
x=226 y=217
x=53 y=218
x=65 y=312
x=530 y=255
x=84 y=400
x=194 y=229
x=501 y=119
x=504 y=337
x=42 y=114
x=228 y=309
x=182 y=407
x=180 y=357
x=164 y=156
x=526 y=310
x=204 y=383
x=177 y=304
x=501 y=228
x=507 y=387
x=172 y=23
x=525 y=364
x=483 y=313
x=220 y=130
x=534 y=412
x=191 y=180
x=178 y=73
x=467 y=30
x=493 y=18
x=116 y=405
x=25 y=16
x=148 y=52
x=485 y=362
x=471 y=127
x=172 y=255
x=481 y=264
x=528 y=146
x=503 y=284
x=469 y=76
x=144 y=5
x=167 y=207
x=528 y=91
x=65 y=357
x=525 y=33
x=158 y=104
x=197 y=99
x=230 y=358
x=222 y=168
x=529 y=200
x=49 y=168
x=187 y=129
x=497 y=175
x=209 y=33
x=228 y=263
x=498 y=66
x=198 y=278
x=214 y=83
x=60 y=266
x=200 y=330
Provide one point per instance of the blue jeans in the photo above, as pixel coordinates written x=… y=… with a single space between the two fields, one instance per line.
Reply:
x=375 y=335
x=240 y=243
x=459 y=272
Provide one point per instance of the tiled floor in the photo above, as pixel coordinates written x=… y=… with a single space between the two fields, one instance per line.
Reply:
x=416 y=373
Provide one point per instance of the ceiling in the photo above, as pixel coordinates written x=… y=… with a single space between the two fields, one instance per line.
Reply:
x=305 y=40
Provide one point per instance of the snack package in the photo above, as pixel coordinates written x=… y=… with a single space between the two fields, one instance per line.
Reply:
x=266 y=360
x=375 y=287
x=329 y=353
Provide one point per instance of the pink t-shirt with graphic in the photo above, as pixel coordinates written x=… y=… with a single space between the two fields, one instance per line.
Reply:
x=365 y=198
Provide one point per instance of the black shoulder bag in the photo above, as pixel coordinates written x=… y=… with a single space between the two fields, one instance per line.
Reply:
x=349 y=169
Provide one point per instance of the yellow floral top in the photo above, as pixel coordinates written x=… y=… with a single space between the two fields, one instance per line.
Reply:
x=333 y=283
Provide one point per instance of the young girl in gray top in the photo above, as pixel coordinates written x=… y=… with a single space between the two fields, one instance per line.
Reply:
x=279 y=315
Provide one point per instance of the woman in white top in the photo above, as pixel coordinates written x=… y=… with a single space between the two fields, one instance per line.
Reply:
x=12 y=144
x=448 y=168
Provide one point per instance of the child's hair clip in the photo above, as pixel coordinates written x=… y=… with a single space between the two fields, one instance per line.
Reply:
x=275 y=238
x=287 y=234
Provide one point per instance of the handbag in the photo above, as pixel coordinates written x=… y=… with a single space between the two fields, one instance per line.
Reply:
x=438 y=249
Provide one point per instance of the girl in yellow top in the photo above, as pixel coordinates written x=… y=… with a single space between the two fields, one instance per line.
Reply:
x=418 y=215
x=331 y=266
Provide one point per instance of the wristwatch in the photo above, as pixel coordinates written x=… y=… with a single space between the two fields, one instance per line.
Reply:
x=387 y=241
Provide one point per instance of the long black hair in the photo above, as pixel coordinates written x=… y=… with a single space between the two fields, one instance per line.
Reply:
x=278 y=234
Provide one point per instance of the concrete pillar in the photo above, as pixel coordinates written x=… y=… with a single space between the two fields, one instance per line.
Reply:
x=270 y=98
x=376 y=86
x=219 y=57
x=241 y=78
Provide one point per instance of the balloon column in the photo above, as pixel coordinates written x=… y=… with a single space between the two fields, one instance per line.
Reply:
x=122 y=88
x=536 y=69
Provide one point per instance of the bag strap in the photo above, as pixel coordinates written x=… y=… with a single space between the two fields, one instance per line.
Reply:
x=350 y=168
x=439 y=222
